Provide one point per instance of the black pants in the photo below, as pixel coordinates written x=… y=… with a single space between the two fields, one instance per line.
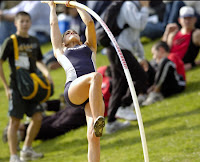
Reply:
x=120 y=90
x=61 y=122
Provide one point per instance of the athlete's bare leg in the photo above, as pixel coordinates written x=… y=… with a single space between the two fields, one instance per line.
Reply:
x=88 y=86
x=93 y=141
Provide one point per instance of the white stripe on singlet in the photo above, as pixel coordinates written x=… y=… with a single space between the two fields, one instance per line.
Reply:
x=93 y=58
x=68 y=67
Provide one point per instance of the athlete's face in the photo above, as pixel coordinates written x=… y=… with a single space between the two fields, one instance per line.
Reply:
x=71 y=36
x=23 y=23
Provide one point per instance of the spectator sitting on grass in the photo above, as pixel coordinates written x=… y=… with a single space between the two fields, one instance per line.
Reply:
x=185 y=42
x=169 y=76
x=154 y=30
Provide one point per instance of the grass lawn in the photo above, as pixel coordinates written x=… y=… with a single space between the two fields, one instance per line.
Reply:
x=171 y=126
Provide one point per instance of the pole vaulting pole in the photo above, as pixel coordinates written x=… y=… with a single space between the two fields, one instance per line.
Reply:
x=126 y=71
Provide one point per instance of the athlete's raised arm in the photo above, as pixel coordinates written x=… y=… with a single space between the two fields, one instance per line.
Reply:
x=90 y=31
x=56 y=37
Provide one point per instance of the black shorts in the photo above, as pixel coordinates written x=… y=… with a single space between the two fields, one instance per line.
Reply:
x=18 y=106
x=68 y=102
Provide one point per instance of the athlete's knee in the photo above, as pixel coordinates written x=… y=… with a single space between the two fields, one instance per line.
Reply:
x=97 y=77
x=91 y=136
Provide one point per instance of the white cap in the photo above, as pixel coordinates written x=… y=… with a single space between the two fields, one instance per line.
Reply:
x=186 y=11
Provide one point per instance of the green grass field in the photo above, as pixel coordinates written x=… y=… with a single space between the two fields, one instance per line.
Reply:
x=171 y=126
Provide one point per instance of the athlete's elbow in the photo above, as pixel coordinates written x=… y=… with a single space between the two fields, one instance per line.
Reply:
x=90 y=22
x=53 y=22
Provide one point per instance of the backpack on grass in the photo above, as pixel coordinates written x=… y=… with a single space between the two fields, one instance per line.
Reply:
x=34 y=87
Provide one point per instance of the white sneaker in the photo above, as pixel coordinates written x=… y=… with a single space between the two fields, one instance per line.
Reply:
x=141 y=98
x=152 y=98
x=15 y=159
x=30 y=154
x=126 y=113
x=115 y=126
